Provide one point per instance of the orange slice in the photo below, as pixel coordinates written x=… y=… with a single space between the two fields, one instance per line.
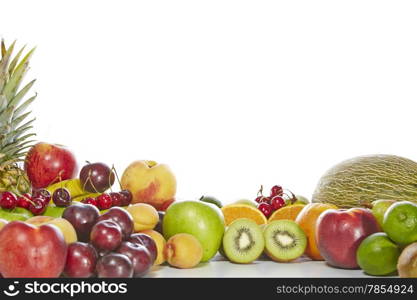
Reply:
x=233 y=212
x=286 y=213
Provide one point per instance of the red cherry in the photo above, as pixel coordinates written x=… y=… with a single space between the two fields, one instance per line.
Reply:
x=42 y=194
x=276 y=190
x=104 y=201
x=265 y=208
x=263 y=199
x=37 y=206
x=89 y=200
x=8 y=200
x=24 y=201
x=116 y=198
x=277 y=202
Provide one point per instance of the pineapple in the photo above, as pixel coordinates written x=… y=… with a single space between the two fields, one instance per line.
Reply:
x=15 y=126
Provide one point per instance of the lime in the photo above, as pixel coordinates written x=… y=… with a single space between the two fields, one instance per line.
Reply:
x=400 y=222
x=378 y=255
x=379 y=207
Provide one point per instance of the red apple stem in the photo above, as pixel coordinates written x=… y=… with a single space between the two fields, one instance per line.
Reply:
x=57 y=178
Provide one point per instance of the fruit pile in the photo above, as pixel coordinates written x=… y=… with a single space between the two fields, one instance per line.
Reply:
x=54 y=223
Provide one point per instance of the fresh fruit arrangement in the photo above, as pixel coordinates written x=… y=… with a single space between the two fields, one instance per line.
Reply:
x=55 y=223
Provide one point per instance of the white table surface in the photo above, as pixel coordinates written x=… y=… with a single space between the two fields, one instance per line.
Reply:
x=220 y=267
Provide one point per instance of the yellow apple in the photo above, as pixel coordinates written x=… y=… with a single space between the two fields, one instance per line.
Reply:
x=150 y=182
x=63 y=225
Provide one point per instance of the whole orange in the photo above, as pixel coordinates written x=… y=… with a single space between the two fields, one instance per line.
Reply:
x=307 y=220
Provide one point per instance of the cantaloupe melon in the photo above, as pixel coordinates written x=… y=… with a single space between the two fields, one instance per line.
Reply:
x=359 y=181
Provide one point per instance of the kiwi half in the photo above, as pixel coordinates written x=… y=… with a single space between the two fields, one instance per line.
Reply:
x=284 y=240
x=243 y=241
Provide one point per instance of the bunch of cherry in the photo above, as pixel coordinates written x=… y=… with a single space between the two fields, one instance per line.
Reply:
x=107 y=246
x=107 y=200
x=276 y=199
x=36 y=202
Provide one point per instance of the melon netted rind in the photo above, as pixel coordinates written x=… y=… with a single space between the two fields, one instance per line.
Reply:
x=359 y=181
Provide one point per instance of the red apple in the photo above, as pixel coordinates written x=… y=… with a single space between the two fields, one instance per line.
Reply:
x=46 y=164
x=31 y=251
x=339 y=233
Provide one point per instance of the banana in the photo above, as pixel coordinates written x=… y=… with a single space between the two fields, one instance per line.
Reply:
x=72 y=185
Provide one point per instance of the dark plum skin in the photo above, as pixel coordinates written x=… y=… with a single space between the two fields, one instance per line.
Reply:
x=158 y=226
x=122 y=218
x=147 y=241
x=114 y=265
x=82 y=217
x=139 y=256
x=106 y=235
x=96 y=177
x=81 y=260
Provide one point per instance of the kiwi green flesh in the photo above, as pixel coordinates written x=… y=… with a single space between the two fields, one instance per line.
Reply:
x=243 y=241
x=284 y=240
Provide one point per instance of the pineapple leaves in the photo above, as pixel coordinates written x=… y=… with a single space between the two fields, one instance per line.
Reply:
x=3 y=103
x=16 y=121
x=15 y=126
x=15 y=60
x=4 y=64
x=19 y=96
x=6 y=116
x=23 y=107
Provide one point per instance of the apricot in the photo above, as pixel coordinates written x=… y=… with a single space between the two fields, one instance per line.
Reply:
x=160 y=245
x=183 y=251
x=307 y=220
x=144 y=216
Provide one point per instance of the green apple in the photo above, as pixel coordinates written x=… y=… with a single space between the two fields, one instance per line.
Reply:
x=212 y=200
x=379 y=207
x=301 y=200
x=246 y=202
x=202 y=220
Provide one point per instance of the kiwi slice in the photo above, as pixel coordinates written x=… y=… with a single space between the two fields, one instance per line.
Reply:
x=243 y=241
x=284 y=240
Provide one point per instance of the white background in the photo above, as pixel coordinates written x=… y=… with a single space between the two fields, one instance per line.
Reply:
x=230 y=94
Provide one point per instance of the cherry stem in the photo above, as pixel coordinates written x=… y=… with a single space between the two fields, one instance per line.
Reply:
x=117 y=176
x=260 y=192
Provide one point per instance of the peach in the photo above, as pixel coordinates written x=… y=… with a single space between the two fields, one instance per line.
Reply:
x=29 y=251
x=68 y=231
x=160 y=245
x=183 y=251
x=150 y=182
x=144 y=216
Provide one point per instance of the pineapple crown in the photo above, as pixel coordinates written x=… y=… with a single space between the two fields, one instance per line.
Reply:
x=15 y=124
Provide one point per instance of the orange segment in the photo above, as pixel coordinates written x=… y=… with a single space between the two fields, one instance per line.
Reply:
x=286 y=213
x=238 y=211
